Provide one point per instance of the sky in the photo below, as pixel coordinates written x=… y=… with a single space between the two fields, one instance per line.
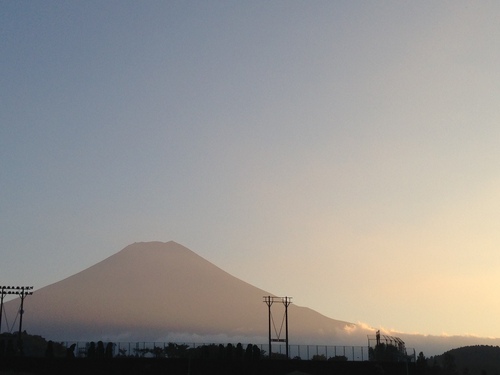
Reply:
x=343 y=153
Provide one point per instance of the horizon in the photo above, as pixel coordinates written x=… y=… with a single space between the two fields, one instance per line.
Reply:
x=344 y=153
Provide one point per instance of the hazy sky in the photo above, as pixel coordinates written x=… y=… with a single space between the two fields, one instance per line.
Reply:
x=344 y=153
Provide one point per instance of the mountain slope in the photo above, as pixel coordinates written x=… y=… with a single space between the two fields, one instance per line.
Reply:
x=151 y=291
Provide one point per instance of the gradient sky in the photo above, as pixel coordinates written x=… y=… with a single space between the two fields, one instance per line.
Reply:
x=344 y=153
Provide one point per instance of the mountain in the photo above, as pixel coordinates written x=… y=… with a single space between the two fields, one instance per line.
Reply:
x=154 y=291
x=163 y=292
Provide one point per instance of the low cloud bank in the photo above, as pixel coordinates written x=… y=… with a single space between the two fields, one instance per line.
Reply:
x=430 y=345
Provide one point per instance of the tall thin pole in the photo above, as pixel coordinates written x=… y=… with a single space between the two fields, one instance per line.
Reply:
x=269 y=301
x=269 y=320
x=2 y=291
x=286 y=302
x=286 y=325
x=21 y=311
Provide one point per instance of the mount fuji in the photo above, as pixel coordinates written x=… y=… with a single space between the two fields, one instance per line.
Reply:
x=154 y=291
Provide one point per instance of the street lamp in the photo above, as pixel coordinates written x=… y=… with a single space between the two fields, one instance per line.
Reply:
x=22 y=292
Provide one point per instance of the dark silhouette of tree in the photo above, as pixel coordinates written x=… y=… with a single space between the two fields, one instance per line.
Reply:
x=319 y=357
x=229 y=351
x=338 y=358
x=449 y=365
x=10 y=351
x=173 y=350
x=217 y=352
x=222 y=351
x=435 y=368
x=206 y=352
x=473 y=359
x=256 y=353
x=248 y=352
x=10 y=348
x=49 y=352
x=91 y=351
x=100 y=350
x=109 y=350
x=279 y=356
x=238 y=352
x=421 y=364
x=141 y=352
x=70 y=352
x=158 y=352
x=34 y=346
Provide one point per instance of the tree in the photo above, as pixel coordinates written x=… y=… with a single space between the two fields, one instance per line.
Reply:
x=100 y=349
x=176 y=350
x=449 y=365
x=421 y=364
x=248 y=352
x=91 y=350
x=49 y=352
x=238 y=353
x=158 y=352
x=70 y=352
x=256 y=353
x=229 y=351
x=109 y=350
x=319 y=357
x=338 y=358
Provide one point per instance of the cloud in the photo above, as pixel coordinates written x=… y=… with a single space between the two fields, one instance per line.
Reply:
x=430 y=345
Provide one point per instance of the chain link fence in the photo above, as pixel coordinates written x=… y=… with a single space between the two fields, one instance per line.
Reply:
x=161 y=349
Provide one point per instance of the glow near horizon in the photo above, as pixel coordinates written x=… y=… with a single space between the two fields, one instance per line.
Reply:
x=343 y=153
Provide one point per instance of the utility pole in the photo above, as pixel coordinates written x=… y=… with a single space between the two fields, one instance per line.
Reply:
x=22 y=292
x=286 y=301
x=3 y=292
x=269 y=301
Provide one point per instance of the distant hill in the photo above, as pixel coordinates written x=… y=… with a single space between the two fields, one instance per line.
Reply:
x=472 y=360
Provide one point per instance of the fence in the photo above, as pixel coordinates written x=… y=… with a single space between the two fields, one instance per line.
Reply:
x=306 y=352
x=344 y=352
